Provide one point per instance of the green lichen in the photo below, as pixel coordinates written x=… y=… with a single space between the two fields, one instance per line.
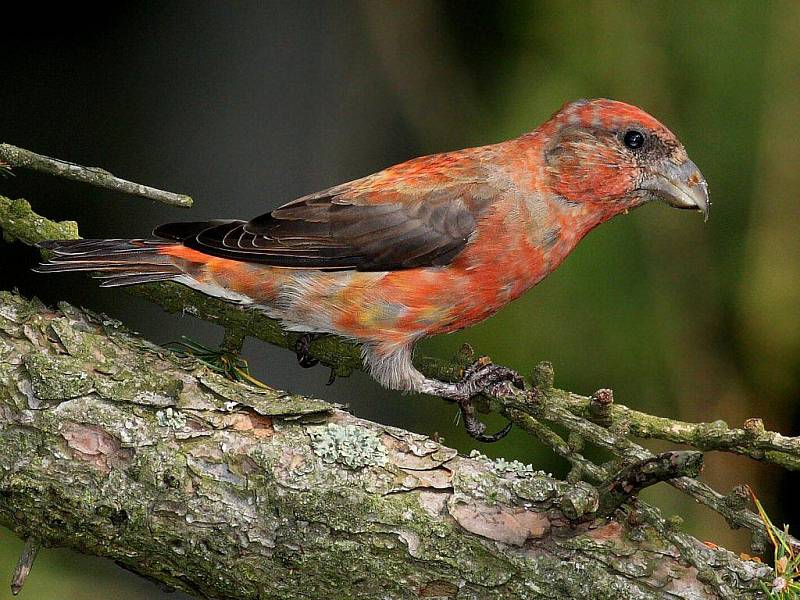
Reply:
x=537 y=489
x=352 y=446
x=579 y=500
x=20 y=223
x=56 y=378
x=512 y=467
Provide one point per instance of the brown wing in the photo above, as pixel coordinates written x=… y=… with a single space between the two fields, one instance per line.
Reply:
x=365 y=225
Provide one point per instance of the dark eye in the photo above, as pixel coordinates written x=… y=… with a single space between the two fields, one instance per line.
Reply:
x=633 y=139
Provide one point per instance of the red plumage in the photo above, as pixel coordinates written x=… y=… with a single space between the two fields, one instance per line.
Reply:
x=428 y=246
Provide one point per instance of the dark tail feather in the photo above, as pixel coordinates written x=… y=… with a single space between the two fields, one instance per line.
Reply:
x=119 y=262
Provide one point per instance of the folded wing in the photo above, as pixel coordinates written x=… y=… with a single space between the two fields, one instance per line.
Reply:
x=380 y=223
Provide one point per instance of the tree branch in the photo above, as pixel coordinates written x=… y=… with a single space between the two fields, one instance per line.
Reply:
x=567 y=409
x=19 y=222
x=114 y=447
x=634 y=477
x=595 y=420
x=24 y=565
x=11 y=156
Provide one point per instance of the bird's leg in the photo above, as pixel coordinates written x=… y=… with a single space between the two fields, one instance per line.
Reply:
x=393 y=367
x=301 y=348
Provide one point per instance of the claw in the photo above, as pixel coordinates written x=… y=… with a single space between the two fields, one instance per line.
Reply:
x=475 y=428
x=301 y=349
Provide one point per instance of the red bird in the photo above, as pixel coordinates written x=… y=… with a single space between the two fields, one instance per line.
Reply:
x=425 y=247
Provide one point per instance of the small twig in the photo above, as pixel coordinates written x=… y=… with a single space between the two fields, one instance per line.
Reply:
x=630 y=480
x=735 y=516
x=21 y=158
x=558 y=445
x=751 y=440
x=24 y=564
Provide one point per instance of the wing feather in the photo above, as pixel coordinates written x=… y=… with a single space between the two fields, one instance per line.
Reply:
x=414 y=215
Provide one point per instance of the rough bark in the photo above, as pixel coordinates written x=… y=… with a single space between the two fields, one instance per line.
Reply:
x=113 y=447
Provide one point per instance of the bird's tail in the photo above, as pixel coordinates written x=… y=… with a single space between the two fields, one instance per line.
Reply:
x=118 y=262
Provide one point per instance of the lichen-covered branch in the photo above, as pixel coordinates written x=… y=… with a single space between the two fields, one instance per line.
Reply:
x=18 y=221
x=111 y=446
x=14 y=157
x=615 y=423
x=596 y=420
x=636 y=476
x=751 y=440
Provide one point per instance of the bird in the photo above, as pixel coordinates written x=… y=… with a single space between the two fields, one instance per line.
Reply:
x=425 y=247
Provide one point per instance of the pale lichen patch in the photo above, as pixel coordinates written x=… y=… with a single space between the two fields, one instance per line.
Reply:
x=174 y=419
x=350 y=445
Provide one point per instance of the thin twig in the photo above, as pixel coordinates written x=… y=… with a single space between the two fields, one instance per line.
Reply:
x=634 y=477
x=21 y=158
x=752 y=440
x=24 y=564
x=559 y=446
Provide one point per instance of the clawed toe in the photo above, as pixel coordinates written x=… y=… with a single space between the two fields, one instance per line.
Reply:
x=475 y=428
x=484 y=377
x=301 y=349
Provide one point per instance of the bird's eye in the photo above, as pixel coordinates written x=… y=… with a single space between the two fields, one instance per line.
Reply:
x=633 y=139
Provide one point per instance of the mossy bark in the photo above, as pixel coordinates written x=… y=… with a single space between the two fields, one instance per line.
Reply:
x=20 y=223
x=114 y=447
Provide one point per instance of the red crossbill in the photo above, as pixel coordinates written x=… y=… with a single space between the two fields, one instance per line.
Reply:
x=425 y=247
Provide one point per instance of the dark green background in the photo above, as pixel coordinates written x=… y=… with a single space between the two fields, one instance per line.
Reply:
x=248 y=105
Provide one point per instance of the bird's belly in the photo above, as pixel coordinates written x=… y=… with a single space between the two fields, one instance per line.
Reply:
x=388 y=307
x=431 y=301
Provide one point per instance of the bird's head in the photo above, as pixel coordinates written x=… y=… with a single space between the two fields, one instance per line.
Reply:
x=614 y=157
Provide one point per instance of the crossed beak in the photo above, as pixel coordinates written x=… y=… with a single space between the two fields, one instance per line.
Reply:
x=680 y=186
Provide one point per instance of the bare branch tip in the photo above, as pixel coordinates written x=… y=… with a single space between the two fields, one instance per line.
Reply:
x=24 y=565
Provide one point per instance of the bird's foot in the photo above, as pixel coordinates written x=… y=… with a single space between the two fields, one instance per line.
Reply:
x=483 y=377
x=301 y=349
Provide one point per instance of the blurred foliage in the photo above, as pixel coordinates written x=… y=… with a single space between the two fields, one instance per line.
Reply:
x=785 y=559
x=683 y=319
